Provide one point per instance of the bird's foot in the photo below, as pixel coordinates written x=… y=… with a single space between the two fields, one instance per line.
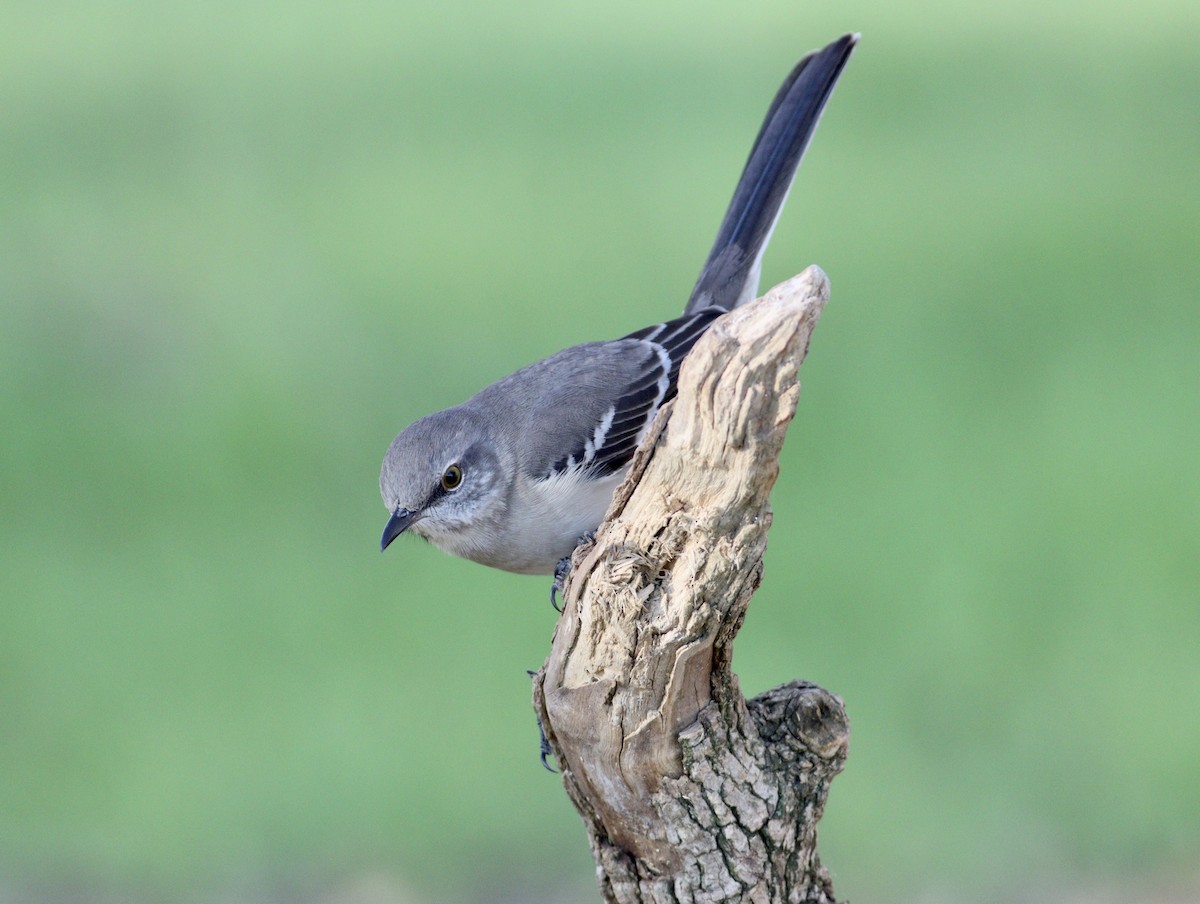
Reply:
x=560 y=580
x=544 y=749
x=563 y=568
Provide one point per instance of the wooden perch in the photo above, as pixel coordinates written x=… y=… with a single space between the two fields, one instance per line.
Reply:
x=688 y=792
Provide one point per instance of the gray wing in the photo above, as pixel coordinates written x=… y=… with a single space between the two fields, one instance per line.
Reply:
x=590 y=405
x=636 y=407
x=730 y=275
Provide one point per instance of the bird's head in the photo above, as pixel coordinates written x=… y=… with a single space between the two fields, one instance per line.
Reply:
x=441 y=476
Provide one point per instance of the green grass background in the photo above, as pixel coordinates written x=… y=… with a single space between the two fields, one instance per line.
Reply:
x=242 y=245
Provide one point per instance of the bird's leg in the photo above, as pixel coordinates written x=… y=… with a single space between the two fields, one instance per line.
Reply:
x=544 y=750
x=562 y=568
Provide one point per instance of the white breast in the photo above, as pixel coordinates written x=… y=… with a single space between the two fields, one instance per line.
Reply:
x=544 y=522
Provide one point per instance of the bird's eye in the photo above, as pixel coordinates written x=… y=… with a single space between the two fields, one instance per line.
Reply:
x=452 y=477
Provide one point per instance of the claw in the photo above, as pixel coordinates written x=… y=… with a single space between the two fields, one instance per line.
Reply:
x=563 y=568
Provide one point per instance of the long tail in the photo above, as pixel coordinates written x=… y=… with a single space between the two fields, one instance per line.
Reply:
x=730 y=275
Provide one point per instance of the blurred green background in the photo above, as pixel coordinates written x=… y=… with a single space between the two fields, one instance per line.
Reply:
x=242 y=245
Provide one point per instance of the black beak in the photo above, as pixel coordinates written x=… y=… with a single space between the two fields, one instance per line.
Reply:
x=397 y=524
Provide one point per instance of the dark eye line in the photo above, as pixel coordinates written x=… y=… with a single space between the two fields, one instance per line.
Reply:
x=436 y=494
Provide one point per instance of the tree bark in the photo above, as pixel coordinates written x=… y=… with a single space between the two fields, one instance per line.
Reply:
x=689 y=792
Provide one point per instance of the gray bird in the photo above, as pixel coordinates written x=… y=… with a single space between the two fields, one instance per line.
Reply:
x=518 y=474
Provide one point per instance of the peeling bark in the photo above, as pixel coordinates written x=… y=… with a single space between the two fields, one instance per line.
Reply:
x=690 y=793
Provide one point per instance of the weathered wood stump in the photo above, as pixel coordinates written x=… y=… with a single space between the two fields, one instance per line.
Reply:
x=688 y=791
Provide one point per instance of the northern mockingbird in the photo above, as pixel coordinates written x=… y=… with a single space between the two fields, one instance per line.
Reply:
x=516 y=476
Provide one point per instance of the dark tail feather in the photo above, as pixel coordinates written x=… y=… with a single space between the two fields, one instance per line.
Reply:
x=730 y=275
